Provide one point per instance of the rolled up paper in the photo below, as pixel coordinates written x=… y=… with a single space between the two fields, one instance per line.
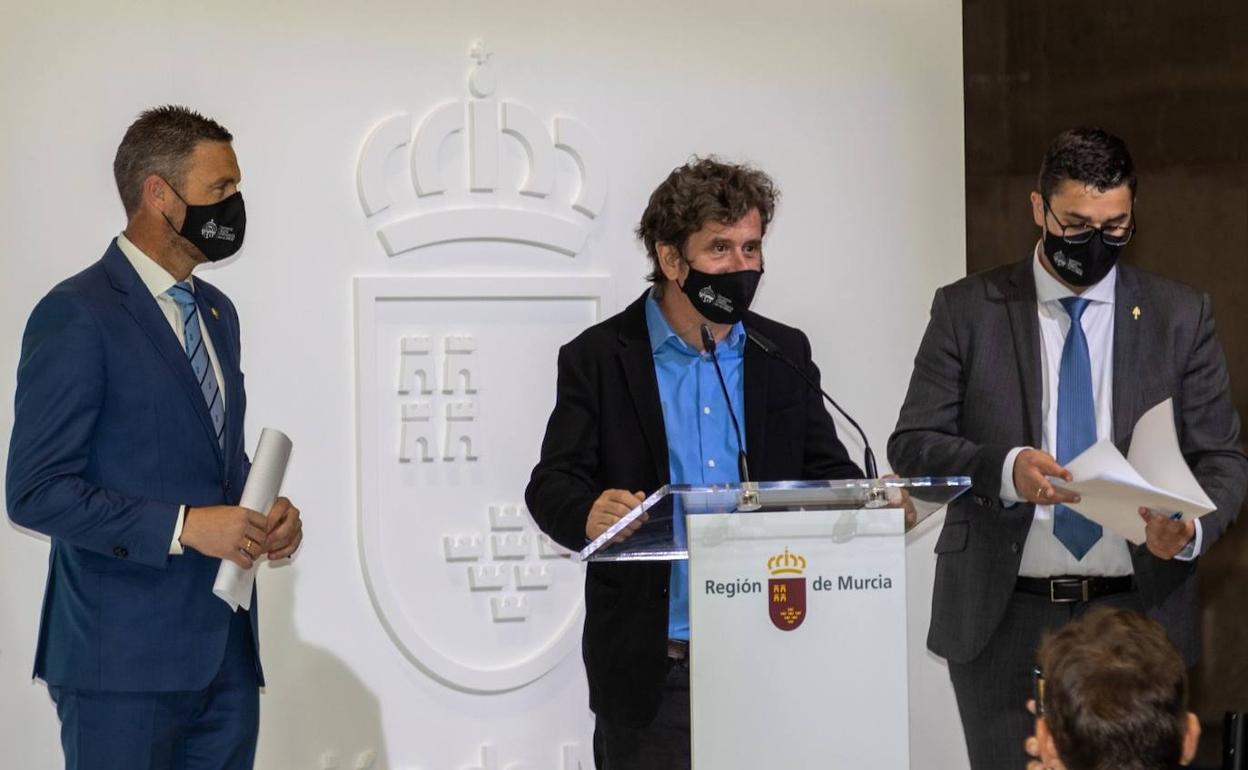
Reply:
x=268 y=466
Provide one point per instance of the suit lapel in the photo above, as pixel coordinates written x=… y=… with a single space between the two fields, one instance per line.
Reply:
x=1126 y=387
x=637 y=361
x=1020 y=297
x=142 y=307
x=757 y=369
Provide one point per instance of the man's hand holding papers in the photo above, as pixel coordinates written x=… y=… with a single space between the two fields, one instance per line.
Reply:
x=1138 y=496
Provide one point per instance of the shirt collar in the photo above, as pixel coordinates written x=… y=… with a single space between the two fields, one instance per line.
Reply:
x=154 y=277
x=662 y=333
x=1049 y=289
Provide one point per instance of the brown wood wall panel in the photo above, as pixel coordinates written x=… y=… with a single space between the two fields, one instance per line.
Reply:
x=1171 y=79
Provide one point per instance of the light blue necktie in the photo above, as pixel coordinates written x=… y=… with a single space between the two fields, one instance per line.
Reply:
x=182 y=294
x=1076 y=425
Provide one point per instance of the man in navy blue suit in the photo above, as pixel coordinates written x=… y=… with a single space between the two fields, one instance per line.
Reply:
x=128 y=451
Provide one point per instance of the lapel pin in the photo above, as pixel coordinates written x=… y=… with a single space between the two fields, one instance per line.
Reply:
x=217 y=315
x=1135 y=312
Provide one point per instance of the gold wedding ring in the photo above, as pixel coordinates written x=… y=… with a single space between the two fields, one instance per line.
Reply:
x=249 y=544
x=1040 y=492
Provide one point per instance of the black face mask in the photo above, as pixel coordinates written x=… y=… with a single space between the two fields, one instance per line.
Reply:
x=216 y=229
x=722 y=298
x=1080 y=264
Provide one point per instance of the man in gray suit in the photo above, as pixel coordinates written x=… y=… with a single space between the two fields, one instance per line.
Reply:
x=1022 y=368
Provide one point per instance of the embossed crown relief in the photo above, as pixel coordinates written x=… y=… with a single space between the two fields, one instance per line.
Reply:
x=538 y=209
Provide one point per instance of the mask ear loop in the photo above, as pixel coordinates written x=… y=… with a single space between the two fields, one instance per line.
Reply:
x=175 y=230
x=175 y=191
x=680 y=256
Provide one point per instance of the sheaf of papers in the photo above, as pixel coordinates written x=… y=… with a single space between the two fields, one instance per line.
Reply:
x=1153 y=475
x=268 y=467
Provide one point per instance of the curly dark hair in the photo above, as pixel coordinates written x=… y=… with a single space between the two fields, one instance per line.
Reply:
x=1090 y=156
x=160 y=141
x=703 y=190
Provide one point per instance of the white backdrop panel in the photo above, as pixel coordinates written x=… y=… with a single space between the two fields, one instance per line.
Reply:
x=854 y=106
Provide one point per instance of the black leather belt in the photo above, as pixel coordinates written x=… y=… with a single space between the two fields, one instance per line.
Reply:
x=1068 y=590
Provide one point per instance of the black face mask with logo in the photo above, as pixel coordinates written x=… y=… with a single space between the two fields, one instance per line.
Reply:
x=1080 y=264
x=722 y=298
x=216 y=229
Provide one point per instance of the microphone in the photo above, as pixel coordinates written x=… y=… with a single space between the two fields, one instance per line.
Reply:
x=773 y=350
x=708 y=343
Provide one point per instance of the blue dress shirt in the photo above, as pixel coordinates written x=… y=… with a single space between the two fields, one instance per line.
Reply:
x=701 y=443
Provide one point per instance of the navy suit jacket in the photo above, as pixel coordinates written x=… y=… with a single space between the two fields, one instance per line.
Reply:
x=110 y=436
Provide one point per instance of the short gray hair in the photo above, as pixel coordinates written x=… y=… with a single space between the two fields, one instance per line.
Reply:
x=160 y=142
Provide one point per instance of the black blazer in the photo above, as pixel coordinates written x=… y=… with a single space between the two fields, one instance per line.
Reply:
x=606 y=432
x=976 y=392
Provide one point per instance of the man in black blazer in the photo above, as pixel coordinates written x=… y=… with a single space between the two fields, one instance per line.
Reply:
x=1007 y=389
x=638 y=407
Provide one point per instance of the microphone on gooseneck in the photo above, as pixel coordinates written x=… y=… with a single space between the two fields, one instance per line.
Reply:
x=708 y=342
x=773 y=350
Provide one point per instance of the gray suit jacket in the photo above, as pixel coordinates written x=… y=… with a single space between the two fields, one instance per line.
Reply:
x=976 y=393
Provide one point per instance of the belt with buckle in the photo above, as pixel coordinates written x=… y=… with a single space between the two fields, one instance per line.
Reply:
x=677 y=649
x=1069 y=590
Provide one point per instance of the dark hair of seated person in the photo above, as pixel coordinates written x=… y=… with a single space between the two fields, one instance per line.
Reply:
x=1115 y=694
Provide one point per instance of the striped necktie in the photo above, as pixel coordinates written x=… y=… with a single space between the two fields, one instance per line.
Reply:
x=183 y=294
x=1076 y=425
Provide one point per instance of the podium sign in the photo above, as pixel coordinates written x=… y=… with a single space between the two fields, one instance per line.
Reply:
x=798 y=658
x=797 y=614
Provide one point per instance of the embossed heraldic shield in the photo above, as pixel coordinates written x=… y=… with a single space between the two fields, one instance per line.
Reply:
x=461 y=578
x=786 y=596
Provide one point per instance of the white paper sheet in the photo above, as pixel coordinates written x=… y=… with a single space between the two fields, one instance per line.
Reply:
x=1153 y=475
x=268 y=467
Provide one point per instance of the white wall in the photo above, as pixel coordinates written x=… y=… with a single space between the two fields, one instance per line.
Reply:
x=854 y=106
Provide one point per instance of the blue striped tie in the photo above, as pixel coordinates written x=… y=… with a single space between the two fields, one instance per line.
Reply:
x=1076 y=425
x=184 y=295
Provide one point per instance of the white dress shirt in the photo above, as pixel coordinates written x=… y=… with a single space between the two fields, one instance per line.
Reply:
x=158 y=281
x=1043 y=554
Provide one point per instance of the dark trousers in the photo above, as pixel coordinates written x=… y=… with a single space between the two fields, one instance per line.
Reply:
x=661 y=745
x=993 y=689
x=210 y=729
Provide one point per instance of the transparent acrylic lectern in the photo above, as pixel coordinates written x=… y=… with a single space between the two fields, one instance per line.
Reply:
x=662 y=535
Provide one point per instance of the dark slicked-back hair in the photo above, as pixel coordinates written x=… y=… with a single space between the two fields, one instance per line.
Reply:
x=1092 y=157
x=1115 y=695
x=703 y=190
x=160 y=142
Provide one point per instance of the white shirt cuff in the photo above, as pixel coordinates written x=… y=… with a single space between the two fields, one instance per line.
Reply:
x=175 y=547
x=1008 y=493
x=1192 y=549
